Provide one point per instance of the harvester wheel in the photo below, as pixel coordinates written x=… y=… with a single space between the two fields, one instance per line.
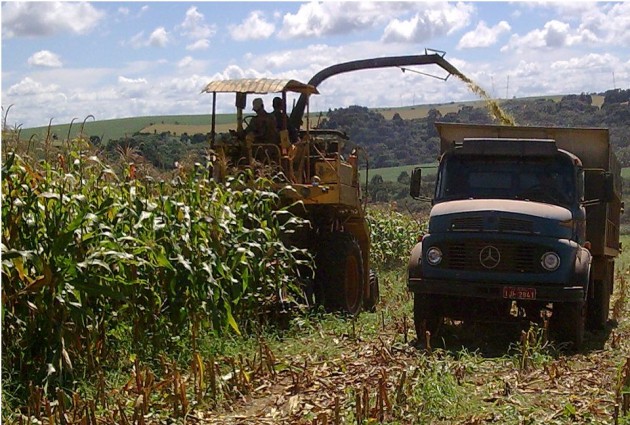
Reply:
x=568 y=321
x=339 y=273
x=427 y=317
x=372 y=300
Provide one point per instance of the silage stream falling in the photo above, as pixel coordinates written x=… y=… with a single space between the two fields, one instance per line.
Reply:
x=493 y=106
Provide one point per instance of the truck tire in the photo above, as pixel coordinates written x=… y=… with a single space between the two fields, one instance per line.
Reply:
x=599 y=306
x=426 y=316
x=339 y=273
x=568 y=321
x=371 y=301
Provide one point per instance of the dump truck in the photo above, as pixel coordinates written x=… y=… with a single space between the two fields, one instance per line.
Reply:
x=322 y=170
x=524 y=223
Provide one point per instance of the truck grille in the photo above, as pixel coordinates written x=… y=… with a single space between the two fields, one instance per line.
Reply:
x=515 y=225
x=503 y=224
x=516 y=258
x=467 y=224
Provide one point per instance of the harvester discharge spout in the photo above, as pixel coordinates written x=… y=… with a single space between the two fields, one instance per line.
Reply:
x=431 y=57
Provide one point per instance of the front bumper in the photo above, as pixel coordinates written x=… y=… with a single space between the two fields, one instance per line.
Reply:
x=544 y=292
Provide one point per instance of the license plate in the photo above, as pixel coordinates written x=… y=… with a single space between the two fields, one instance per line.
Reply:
x=516 y=293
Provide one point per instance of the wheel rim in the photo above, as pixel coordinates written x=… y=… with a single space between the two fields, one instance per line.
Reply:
x=352 y=284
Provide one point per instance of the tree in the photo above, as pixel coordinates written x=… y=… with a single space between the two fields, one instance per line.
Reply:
x=404 y=178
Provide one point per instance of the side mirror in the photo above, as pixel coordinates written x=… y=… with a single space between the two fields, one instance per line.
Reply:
x=415 y=183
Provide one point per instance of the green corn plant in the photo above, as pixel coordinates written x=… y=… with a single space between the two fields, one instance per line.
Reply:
x=393 y=236
x=94 y=263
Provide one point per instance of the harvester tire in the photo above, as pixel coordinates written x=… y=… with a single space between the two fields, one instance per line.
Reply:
x=568 y=322
x=339 y=273
x=427 y=317
x=371 y=301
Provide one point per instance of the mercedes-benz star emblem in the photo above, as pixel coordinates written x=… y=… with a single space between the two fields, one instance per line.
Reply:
x=489 y=257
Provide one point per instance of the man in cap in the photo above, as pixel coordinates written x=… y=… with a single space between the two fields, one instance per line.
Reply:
x=263 y=125
x=282 y=119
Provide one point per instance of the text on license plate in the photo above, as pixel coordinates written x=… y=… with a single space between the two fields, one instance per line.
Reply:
x=516 y=293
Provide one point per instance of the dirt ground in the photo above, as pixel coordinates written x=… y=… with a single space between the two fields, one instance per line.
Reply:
x=497 y=377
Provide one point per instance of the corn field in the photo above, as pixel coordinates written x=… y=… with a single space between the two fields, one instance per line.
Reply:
x=393 y=236
x=103 y=265
x=97 y=264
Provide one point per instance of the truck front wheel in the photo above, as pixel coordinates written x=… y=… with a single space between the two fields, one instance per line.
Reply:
x=568 y=321
x=427 y=316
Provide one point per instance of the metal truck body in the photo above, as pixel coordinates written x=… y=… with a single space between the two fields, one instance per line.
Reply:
x=524 y=217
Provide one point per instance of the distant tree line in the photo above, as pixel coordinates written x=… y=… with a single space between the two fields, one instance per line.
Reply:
x=162 y=150
x=398 y=141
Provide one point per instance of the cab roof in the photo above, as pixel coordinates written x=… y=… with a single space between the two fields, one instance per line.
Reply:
x=259 y=86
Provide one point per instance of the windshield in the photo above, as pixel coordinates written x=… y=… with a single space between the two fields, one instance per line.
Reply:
x=548 y=180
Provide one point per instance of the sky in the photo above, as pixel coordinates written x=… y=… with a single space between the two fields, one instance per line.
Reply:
x=65 y=60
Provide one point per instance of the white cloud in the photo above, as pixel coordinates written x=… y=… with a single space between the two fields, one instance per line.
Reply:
x=556 y=34
x=195 y=28
x=29 y=87
x=38 y=19
x=483 y=36
x=159 y=37
x=45 y=58
x=553 y=34
x=254 y=27
x=438 y=20
x=185 y=62
x=608 y=23
x=125 y=80
x=595 y=24
x=318 y=19
x=194 y=25
x=592 y=61
x=133 y=88
x=528 y=69
x=137 y=40
x=203 y=44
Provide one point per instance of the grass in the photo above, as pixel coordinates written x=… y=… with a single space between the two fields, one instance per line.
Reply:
x=121 y=127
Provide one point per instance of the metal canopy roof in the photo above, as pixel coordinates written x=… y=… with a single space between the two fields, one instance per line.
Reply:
x=258 y=86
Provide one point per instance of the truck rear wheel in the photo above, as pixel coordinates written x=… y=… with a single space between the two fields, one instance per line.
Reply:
x=568 y=321
x=339 y=273
x=372 y=300
x=599 y=306
x=427 y=317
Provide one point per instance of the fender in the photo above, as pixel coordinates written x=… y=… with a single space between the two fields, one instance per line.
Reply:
x=582 y=269
x=415 y=262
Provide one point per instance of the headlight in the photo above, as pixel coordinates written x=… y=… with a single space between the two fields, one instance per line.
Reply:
x=434 y=256
x=550 y=261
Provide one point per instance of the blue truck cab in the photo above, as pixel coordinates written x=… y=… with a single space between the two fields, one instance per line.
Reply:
x=525 y=220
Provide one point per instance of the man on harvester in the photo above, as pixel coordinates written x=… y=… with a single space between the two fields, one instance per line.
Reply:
x=262 y=126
